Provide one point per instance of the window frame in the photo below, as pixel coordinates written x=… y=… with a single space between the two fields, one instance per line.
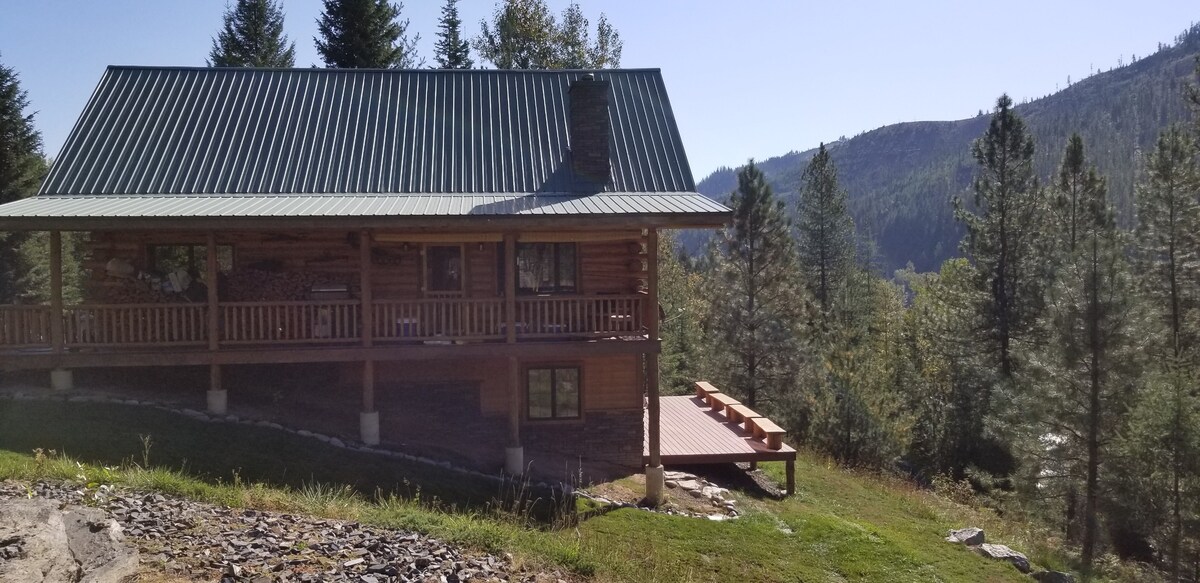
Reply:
x=554 y=368
x=576 y=286
x=194 y=266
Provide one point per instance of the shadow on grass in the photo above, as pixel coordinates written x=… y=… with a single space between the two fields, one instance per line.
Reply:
x=224 y=453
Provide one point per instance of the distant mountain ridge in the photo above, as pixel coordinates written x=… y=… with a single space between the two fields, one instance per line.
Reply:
x=902 y=177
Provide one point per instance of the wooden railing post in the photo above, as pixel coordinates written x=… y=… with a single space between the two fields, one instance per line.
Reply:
x=56 y=292
x=364 y=260
x=510 y=286
x=214 y=313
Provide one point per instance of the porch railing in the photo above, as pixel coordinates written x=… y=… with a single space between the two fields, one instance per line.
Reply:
x=290 y=322
x=447 y=319
x=597 y=316
x=24 y=326
x=134 y=325
x=319 y=322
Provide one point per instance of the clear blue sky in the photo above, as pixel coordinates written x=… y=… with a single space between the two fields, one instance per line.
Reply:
x=746 y=79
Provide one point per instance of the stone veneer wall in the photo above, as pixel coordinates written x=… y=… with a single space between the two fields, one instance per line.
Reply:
x=609 y=438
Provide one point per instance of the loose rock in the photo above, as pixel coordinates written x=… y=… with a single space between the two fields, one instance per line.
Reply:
x=969 y=536
x=1003 y=553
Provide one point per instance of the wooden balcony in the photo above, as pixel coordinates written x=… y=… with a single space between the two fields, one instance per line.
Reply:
x=316 y=323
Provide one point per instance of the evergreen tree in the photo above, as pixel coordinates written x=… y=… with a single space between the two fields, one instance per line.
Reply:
x=681 y=294
x=1164 y=440
x=825 y=231
x=1075 y=183
x=252 y=36
x=21 y=169
x=365 y=34
x=524 y=34
x=452 y=50
x=1003 y=234
x=1091 y=366
x=1167 y=244
x=756 y=300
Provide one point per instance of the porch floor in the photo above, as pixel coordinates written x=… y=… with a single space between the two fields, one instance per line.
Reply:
x=692 y=433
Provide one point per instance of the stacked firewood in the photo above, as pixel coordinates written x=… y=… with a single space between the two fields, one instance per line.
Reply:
x=253 y=285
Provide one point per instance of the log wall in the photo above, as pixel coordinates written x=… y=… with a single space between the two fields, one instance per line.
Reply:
x=283 y=266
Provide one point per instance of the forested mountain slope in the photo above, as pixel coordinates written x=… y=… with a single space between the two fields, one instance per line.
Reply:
x=902 y=177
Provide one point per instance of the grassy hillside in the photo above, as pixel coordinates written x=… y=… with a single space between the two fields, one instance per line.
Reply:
x=902 y=177
x=841 y=526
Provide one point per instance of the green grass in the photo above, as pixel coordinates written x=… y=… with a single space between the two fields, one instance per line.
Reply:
x=844 y=526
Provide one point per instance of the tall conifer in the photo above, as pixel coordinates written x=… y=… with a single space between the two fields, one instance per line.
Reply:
x=1092 y=364
x=365 y=34
x=252 y=36
x=21 y=168
x=452 y=51
x=1004 y=232
x=825 y=229
x=756 y=299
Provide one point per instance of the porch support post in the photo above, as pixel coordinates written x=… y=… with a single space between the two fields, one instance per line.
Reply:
x=217 y=397
x=510 y=286
x=514 y=453
x=60 y=379
x=791 y=477
x=366 y=293
x=655 y=478
x=368 y=418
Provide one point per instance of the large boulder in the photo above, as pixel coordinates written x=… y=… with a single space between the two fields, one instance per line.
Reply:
x=1003 y=553
x=1052 y=577
x=43 y=543
x=969 y=536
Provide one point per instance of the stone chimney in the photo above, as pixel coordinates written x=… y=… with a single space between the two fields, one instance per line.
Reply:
x=589 y=127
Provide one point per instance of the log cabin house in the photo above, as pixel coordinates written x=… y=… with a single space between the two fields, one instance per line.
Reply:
x=416 y=225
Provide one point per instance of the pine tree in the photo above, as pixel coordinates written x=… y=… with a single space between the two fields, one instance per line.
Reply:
x=681 y=293
x=524 y=34
x=1003 y=234
x=365 y=34
x=452 y=50
x=21 y=169
x=252 y=36
x=1074 y=184
x=756 y=299
x=1164 y=441
x=1091 y=368
x=1167 y=244
x=825 y=231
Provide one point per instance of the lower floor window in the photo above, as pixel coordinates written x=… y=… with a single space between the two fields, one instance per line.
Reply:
x=553 y=393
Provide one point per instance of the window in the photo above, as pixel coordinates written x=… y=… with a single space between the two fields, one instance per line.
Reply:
x=543 y=268
x=443 y=268
x=193 y=259
x=553 y=393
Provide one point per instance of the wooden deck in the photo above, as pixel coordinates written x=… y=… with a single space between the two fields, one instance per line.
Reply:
x=692 y=433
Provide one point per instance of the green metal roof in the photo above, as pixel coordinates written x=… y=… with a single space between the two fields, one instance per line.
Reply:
x=196 y=131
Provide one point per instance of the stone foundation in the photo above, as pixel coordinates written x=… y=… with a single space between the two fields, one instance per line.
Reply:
x=602 y=439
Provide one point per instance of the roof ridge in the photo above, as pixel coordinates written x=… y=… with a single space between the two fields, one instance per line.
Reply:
x=379 y=70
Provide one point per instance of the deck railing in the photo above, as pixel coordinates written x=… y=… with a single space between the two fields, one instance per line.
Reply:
x=320 y=322
x=24 y=326
x=290 y=322
x=602 y=316
x=134 y=325
x=444 y=318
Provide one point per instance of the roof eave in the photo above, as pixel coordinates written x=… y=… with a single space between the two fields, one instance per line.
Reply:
x=705 y=220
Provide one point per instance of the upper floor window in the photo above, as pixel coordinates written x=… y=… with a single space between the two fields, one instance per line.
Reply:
x=547 y=268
